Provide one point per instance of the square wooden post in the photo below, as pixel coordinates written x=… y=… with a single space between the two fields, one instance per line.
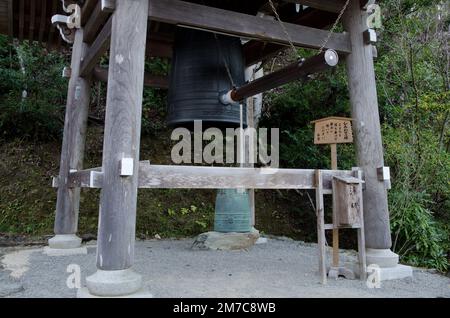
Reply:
x=117 y=219
x=72 y=152
x=367 y=131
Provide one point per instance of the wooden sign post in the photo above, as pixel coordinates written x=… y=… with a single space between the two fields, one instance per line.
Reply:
x=332 y=131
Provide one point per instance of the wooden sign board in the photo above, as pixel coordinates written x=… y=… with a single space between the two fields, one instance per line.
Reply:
x=333 y=130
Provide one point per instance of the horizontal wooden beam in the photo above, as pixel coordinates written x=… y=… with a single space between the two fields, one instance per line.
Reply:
x=325 y=5
x=150 y=80
x=255 y=51
x=96 y=50
x=243 y=25
x=89 y=178
x=201 y=177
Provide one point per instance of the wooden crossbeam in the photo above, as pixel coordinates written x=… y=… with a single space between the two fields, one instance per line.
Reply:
x=42 y=19
x=255 y=51
x=10 y=19
x=201 y=177
x=97 y=49
x=150 y=80
x=95 y=21
x=325 y=5
x=243 y=25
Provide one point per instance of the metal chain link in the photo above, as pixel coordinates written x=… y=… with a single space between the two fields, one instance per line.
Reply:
x=326 y=40
x=334 y=26
x=283 y=27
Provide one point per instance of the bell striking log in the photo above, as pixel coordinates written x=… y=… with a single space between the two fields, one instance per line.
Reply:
x=295 y=71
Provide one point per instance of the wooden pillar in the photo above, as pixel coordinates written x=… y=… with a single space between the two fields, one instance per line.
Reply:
x=367 y=131
x=252 y=74
x=117 y=221
x=72 y=152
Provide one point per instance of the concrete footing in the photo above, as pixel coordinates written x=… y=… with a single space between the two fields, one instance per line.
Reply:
x=64 y=244
x=65 y=251
x=114 y=283
x=225 y=241
x=64 y=241
x=84 y=293
x=381 y=257
x=398 y=272
x=387 y=263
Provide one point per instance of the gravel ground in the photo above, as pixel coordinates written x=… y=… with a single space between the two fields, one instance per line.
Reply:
x=279 y=268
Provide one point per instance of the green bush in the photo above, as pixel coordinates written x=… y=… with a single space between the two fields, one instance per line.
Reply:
x=419 y=199
x=38 y=114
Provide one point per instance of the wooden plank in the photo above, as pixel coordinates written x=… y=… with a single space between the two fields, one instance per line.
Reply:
x=10 y=19
x=116 y=231
x=361 y=235
x=95 y=21
x=21 y=19
x=72 y=150
x=32 y=20
x=87 y=9
x=201 y=177
x=321 y=240
x=367 y=128
x=325 y=5
x=97 y=49
x=243 y=25
x=42 y=20
x=255 y=51
x=52 y=27
x=150 y=80
x=91 y=178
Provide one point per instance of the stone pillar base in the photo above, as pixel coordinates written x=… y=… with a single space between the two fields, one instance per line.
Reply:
x=84 y=293
x=64 y=244
x=64 y=251
x=341 y=271
x=114 y=283
x=398 y=272
x=225 y=241
x=382 y=257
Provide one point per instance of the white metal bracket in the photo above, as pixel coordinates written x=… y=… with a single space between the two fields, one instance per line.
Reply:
x=370 y=36
x=126 y=167
x=384 y=174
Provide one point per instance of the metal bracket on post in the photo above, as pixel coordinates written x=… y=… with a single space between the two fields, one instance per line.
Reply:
x=108 y=5
x=67 y=72
x=370 y=36
x=384 y=174
x=126 y=167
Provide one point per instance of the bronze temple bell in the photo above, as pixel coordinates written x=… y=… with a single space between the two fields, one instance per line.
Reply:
x=204 y=66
